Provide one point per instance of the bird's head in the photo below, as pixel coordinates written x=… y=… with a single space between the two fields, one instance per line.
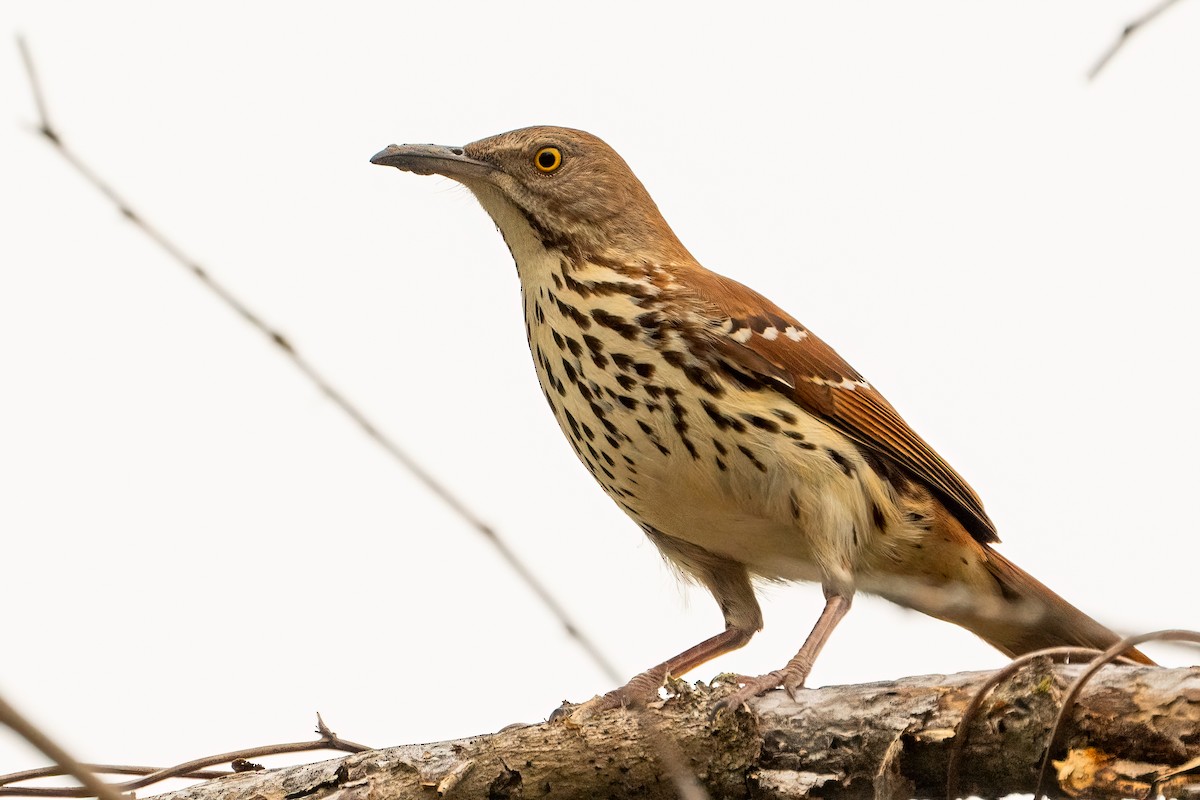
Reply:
x=567 y=188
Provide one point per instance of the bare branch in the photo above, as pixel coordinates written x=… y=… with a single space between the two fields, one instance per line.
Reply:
x=1128 y=31
x=335 y=395
x=887 y=740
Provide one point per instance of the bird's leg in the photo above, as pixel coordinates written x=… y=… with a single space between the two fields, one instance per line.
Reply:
x=644 y=687
x=730 y=585
x=793 y=675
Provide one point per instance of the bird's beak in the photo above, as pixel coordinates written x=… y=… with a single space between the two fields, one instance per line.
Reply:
x=433 y=159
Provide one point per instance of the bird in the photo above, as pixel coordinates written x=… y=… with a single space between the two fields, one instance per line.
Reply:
x=742 y=444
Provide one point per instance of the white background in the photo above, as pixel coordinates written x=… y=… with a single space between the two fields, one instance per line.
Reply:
x=199 y=551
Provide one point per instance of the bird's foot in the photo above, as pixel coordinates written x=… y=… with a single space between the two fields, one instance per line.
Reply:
x=791 y=678
x=638 y=693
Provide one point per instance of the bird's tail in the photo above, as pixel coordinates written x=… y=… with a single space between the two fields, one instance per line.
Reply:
x=966 y=582
x=1053 y=621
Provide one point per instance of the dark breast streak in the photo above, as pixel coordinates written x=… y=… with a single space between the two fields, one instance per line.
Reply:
x=612 y=381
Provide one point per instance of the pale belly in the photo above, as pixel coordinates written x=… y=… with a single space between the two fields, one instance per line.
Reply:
x=745 y=475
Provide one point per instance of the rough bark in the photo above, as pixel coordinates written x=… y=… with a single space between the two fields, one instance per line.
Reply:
x=1130 y=730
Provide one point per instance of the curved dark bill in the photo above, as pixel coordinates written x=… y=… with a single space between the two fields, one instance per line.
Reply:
x=431 y=159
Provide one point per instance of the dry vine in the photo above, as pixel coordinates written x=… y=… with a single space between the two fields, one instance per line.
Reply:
x=1072 y=696
x=196 y=768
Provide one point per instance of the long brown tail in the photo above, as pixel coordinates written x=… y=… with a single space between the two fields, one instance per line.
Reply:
x=963 y=581
x=1058 y=623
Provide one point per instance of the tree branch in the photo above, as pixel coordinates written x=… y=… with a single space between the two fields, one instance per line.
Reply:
x=1132 y=730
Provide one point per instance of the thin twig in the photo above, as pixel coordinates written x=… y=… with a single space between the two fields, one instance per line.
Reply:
x=1128 y=31
x=101 y=769
x=335 y=395
x=45 y=128
x=196 y=768
x=342 y=744
x=92 y=786
x=1108 y=656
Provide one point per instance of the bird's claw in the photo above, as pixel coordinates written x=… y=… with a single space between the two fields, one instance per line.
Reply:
x=792 y=681
x=638 y=693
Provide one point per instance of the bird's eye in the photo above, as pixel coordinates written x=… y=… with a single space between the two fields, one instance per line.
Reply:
x=548 y=159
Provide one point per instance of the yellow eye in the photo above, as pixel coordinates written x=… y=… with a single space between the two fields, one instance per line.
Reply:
x=548 y=159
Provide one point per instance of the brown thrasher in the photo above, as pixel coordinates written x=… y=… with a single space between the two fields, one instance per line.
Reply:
x=742 y=444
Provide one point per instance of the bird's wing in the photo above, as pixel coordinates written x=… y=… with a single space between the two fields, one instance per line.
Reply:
x=759 y=337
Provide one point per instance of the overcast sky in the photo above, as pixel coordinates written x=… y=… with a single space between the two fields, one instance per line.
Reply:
x=201 y=551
